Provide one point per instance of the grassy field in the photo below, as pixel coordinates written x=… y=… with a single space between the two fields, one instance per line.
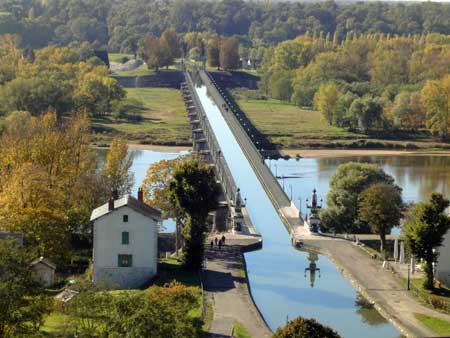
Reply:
x=239 y=331
x=293 y=127
x=164 y=119
x=116 y=57
x=438 y=326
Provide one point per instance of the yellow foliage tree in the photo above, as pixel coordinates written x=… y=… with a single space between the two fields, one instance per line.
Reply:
x=436 y=100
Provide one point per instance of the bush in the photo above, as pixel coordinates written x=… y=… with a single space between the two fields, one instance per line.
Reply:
x=305 y=328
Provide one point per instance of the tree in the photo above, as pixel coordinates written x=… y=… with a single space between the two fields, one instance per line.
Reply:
x=229 y=54
x=305 y=328
x=157 y=192
x=169 y=48
x=349 y=181
x=326 y=101
x=21 y=305
x=380 y=206
x=194 y=190
x=152 y=52
x=425 y=231
x=436 y=100
x=367 y=111
x=117 y=167
x=212 y=52
x=408 y=110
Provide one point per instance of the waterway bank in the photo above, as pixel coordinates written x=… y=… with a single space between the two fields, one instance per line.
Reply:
x=335 y=153
x=376 y=284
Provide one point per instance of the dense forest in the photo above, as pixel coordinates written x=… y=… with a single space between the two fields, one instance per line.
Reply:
x=118 y=25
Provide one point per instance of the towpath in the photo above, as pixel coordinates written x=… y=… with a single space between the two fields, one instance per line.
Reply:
x=226 y=287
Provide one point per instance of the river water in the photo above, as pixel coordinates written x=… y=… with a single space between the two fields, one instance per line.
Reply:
x=281 y=288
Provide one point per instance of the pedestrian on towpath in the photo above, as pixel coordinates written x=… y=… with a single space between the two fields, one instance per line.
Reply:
x=220 y=244
x=223 y=239
x=212 y=244
x=215 y=240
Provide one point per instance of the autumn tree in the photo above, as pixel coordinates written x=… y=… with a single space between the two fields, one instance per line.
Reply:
x=169 y=48
x=326 y=101
x=117 y=167
x=22 y=306
x=151 y=52
x=367 y=111
x=194 y=190
x=229 y=54
x=380 y=206
x=157 y=193
x=408 y=111
x=436 y=100
x=212 y=52
x=425 y=231
x=305 y=328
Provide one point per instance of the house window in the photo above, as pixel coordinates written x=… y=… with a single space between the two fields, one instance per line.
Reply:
x=125 y=261
x=125 y=218
x=125 y=237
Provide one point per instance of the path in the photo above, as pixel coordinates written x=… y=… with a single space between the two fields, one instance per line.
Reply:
x=225 y=286
x=378 y=285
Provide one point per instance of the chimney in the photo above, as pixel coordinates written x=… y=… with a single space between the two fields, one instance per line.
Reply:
x=111 y=203
x=140 y=195
x=115 y=194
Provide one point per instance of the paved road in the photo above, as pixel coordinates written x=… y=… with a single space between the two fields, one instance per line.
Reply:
x=226 y=288
x=377 y=284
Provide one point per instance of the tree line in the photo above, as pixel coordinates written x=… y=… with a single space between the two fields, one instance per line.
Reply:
x=366 y=81
x=119 y=25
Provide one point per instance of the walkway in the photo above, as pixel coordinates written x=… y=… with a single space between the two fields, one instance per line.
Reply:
x=378 y=285
x=226 y=287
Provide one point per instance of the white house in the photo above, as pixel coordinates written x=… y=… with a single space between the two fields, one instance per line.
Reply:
x=442 y=268
x=125 y=249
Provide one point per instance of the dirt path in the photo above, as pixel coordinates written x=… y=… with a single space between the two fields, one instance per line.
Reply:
x=225 y=286
x=378 y=285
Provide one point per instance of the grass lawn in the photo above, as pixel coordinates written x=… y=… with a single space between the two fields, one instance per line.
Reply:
x=438 y=326
x=290 y=125
x=239 y=331
x=116 y=57
x=164 y=119
x=55 y=324
x=142 y=70
x=170 y=269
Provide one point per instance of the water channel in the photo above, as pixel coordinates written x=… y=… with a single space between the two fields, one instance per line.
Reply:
x=277 y=272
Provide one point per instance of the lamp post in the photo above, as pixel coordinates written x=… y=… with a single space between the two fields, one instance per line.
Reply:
x=290 y=187
x=276 y=170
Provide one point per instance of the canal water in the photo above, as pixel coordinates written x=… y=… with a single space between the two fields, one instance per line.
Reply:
x=280 y=287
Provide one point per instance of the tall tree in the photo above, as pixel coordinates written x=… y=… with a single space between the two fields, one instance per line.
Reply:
x=151 y=52
x=229 y=54
x=212 y=52
x=326 y=101
x=380 y=206
x=436 y=99
x=425 y=231
x=169 y=48
x=117 y=167
x=194 y=190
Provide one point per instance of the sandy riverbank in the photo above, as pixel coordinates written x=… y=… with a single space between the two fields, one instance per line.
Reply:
x=322 y=153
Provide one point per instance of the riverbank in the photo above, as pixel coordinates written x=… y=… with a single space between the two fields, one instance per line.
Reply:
x=160 y=148
x=327 y=153
x=378 y=285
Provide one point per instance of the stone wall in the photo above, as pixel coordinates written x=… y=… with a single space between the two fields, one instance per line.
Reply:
x=124 y=278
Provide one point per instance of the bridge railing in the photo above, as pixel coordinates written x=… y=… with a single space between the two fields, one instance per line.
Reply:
x=222 y=170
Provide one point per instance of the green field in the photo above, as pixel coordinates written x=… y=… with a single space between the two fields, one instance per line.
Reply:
x=116 y=57
x=438 y=326
x=239 y=331
x=164 y=119
x=290 y=125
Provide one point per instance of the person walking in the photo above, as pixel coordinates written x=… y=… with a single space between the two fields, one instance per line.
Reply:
x=223 y=239
x=212 y=244
x=220 y=244
x=215 y=240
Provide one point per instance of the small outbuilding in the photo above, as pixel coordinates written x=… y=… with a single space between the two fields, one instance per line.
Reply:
x=43 y=271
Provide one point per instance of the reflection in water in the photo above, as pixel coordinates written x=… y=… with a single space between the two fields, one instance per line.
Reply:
x=312 y=269
x=365 y=309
